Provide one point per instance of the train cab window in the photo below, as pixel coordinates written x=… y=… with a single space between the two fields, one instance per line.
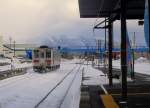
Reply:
x=42 y=54
x=48 y=53
x=36 y=53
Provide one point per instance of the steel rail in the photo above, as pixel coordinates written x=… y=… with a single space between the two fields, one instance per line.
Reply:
x=43 y=99
x=70 y=85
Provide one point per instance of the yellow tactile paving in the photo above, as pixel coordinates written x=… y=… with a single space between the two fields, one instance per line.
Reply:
x=108 y=101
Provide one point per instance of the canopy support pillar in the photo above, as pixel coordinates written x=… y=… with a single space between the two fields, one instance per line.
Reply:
x=110 y=30
x=123 y=50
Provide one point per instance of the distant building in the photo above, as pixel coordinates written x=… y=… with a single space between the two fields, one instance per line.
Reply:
x=11 y=50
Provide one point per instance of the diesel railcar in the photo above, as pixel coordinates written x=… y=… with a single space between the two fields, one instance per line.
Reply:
x=45 y=59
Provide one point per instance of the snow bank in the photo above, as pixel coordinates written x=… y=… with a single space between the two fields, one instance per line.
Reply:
x=93 y=76
x=142 y=65
x=142 y=60
x=116 y=64
x=16 y=64
x=5 y=60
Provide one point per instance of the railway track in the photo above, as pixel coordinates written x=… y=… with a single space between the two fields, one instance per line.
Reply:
x=15 y=80
x=72 y=81
x=78 y=67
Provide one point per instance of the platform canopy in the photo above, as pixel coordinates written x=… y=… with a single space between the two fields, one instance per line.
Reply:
x=111 y=8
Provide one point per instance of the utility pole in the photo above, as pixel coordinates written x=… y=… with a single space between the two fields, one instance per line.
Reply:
x=98 y=52
x=14 y=49
x=100 y=46
x=105 y=35
x=134 y=40
x=10 y=39
x=105 y=47
x=132 y=51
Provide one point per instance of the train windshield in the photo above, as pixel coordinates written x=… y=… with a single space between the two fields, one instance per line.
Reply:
x=36 y=54
x=42 y=55
x=48 y=53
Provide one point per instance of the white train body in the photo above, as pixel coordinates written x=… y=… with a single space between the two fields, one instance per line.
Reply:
x=45 y=59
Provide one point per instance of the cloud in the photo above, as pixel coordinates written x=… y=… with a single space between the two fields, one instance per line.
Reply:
x=39 y=20
x=22 y=19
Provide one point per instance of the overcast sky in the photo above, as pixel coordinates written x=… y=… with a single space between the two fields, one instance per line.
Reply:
x=30 y=21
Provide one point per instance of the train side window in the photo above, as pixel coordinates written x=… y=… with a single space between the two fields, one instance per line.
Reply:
x=48 y=53
x=36 y=53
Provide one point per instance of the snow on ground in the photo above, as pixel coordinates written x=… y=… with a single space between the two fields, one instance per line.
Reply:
x=73 y=96
x=16 y=64
x=5 y=68
x=143 y=68
x=116 y=64
x=94 y=76
x=4 y=60
x=142 y=60
x=142 y=65
x=65 y=60
x=25 y=91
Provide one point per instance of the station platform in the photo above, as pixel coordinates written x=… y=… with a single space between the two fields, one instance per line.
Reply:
x=93 y=96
